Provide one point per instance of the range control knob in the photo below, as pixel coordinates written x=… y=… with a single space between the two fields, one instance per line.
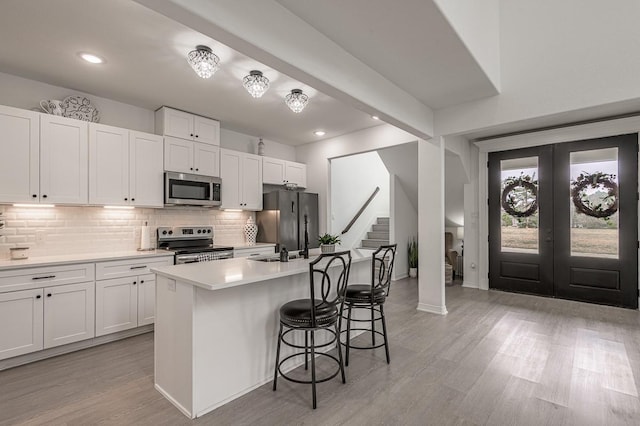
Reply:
x=208 y=231
x=164 y=232
x=199 y=231
x=170 y=232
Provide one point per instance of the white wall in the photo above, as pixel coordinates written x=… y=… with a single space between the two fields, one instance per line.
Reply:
x=472 y=237
x=353 y=180
x=557 y=56
x=246 y=143
x=71 y=230
x=403 y=225
x=23 y=93
x=477 y=23
x=316 y=156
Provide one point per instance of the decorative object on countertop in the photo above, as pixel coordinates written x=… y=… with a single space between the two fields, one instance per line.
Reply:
x=290 y=186
x=251 y=231
x=296 y=100
x=328 y=243
x=19 y=253
x=145 y=238
x=284 y=254
x=203 y=61
x=256 y=83
x=51 y=106
x=412 y=252
x=260 y=147
x=80 y=108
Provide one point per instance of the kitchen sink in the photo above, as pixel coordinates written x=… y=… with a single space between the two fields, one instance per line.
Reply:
x=273 y=258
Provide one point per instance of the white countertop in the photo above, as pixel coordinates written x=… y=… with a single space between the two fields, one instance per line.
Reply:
x=227 y=273
x=80 y=258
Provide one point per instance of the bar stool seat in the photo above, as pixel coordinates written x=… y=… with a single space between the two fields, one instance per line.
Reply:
x=297 y=313
x=362 y=293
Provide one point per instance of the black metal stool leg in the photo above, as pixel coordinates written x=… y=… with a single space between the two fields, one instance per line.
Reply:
x=339 y=349
x=313 y=368
x=384 y=332
x=306 y=349
x=373 y=326
x=275 y=373
x=348 y=342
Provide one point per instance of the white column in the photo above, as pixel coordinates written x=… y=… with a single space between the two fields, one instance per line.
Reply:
x=431 y=294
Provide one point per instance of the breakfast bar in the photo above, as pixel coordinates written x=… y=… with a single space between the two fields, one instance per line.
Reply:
x=217 y=325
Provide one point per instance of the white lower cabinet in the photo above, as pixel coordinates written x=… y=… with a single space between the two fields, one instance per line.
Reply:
x=254 y=251
x=124 y=303
x=22 y=325
x=68 y=314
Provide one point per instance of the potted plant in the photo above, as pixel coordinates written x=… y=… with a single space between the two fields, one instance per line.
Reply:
x=412 y=251
x=328 y=243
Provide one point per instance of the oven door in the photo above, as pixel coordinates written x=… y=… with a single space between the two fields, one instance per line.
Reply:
x=192 y=190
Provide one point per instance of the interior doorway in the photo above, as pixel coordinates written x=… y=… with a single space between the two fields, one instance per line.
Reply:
x=563 y=220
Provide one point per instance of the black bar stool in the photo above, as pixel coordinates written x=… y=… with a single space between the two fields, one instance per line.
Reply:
x=372 y=297
x=330 y=272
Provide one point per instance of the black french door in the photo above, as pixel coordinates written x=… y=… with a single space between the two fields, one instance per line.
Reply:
x=563 y=220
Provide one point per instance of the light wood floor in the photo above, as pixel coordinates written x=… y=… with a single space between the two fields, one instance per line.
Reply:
x=496 y=359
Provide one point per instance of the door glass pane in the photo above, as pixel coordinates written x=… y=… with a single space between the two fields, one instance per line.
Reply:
x=594 y=203
x=519 y=205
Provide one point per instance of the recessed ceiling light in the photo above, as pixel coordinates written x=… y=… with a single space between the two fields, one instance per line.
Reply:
x=319 y=133
x=94 y=59
x=375 y=117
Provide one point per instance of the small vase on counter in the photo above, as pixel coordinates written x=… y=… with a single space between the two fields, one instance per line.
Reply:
x=250 y=231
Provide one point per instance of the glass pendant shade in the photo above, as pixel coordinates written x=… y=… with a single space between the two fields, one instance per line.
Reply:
x=203 y=61
x=255 y=83
x=296 y=100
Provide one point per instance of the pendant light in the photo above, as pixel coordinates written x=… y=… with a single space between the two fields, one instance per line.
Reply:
x=256 y=83
x=296 y=100
x=203 y=61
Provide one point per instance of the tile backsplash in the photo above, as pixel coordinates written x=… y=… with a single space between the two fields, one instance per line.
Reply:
x=71 y=230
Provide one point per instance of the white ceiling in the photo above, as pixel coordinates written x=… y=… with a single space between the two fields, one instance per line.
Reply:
x=146 y=66
x=410 y=43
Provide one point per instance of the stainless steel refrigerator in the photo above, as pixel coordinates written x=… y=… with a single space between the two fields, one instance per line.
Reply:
x=281 y=220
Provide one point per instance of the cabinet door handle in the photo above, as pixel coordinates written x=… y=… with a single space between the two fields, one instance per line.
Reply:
x=191 y=168
x=126 y=199
x=197 y=170
x=44 y=277
x=141 y=281
x=44 y=196
x=138 y=267
x=191 y=134
x=196 y=136
x=133 y=199
x=35 y=195
x=48 y=294
x=134 y=283
x=38 y=297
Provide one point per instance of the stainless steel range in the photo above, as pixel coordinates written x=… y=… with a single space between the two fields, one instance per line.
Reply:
x=192 y=244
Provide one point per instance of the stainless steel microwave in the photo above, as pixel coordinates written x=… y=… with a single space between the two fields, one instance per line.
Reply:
x=191 y=190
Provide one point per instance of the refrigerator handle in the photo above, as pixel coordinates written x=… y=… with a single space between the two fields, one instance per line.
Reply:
x=293 y=207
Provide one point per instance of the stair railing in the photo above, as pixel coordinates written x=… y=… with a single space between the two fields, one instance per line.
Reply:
x=362 y=209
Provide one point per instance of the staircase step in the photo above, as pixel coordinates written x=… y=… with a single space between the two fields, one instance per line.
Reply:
x=380 y=228
x=378 y=235
x=374 y=243
x=383 y=221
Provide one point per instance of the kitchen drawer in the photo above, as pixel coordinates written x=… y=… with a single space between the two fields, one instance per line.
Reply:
x=253 y=251
x=129 y=268
x=46 y=276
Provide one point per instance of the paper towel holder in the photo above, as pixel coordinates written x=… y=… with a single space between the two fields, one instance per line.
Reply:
x=148 y=238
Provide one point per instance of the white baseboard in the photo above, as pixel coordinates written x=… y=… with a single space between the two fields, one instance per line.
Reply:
x=433 y=309
x=469 y=284
x=179 y=406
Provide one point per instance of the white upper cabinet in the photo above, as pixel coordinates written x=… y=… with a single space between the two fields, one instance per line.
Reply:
x=241 y=175
x=64 y=165
x=191 y=157
x=126 y=167
x=146 y=171
x=108 y=165
x=183 y=125
x=20 y=155
x=278 y=172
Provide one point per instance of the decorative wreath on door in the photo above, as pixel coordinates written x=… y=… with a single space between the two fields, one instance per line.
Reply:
x=520 y=196
x=608 y=204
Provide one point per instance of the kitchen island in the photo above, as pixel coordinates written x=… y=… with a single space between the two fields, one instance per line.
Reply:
x=216 y=326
